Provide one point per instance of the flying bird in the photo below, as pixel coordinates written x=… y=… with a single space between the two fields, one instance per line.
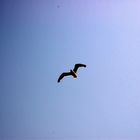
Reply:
x=71 y=72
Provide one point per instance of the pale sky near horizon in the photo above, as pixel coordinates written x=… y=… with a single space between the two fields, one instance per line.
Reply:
x=43 y=38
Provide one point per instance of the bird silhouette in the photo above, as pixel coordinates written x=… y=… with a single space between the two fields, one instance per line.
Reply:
x=71 y=72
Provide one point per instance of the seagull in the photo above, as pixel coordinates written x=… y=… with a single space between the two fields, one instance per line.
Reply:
x=71 y=72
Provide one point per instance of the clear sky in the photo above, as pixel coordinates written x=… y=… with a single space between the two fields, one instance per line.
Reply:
x=42 y=38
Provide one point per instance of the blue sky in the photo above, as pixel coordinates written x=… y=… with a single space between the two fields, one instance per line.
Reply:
x=40 y=40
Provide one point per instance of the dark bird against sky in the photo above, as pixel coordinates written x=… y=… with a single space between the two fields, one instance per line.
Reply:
x=72 y=72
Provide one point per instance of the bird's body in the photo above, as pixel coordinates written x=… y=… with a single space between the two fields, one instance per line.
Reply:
x=71 y=72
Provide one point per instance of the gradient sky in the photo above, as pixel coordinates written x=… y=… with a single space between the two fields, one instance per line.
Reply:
x=42 y=38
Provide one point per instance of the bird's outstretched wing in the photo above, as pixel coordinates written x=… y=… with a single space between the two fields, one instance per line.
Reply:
x=62 y=75
x=77 y=66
